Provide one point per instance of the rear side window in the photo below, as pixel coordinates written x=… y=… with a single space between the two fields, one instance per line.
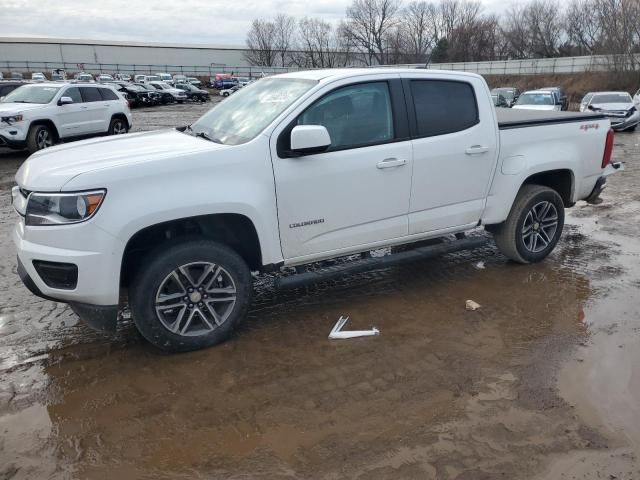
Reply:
x=443 y=106
x=74 y=93
x=91 y=94
x=108 y=94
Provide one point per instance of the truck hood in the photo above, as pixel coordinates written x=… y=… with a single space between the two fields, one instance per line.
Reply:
x=13 y=108
x=49 y=170
x=612 y=107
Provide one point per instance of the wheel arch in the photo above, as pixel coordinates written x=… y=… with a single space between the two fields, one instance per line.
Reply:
x=120 y=116
x=234 y=230
x=561 y=180
x=49 y=123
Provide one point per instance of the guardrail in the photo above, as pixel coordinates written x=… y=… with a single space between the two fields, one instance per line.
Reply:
x=560 y=65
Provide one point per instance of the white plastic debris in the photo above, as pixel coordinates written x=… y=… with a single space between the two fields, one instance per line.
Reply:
x=472 y=306
x=337 y=333
x=480 y=265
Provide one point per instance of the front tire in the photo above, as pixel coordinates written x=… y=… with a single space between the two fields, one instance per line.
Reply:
x=39 y=138
x=533 y=226
x=191 y=295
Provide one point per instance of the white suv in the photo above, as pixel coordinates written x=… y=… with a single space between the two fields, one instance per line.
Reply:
x=39 y=115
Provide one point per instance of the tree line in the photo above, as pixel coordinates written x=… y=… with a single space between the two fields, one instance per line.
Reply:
x=419 y=31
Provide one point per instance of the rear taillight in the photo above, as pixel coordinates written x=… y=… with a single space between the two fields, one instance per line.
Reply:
x=608 y=149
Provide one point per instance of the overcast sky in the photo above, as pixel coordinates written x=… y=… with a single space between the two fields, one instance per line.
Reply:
x=223 y=22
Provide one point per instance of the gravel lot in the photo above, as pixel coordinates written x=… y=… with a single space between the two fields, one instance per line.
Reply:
x=542 y=382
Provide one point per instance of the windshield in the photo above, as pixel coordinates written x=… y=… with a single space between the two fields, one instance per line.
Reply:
x=165 y=76
x=535 y=99
x=153 y=78
x=85 y=77
x=242 y=116
x=31 y=94
x=611 y=98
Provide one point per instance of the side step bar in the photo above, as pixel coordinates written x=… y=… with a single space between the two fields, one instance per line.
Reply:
x=371 y=263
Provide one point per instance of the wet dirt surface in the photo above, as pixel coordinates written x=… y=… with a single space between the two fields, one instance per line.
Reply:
x=542 y=382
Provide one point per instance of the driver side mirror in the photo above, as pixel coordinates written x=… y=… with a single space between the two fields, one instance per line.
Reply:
x=309 y=139
x=65 y=101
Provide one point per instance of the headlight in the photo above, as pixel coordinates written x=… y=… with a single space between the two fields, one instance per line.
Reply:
x=62 y=208
x=11 y=119
x=631 y=111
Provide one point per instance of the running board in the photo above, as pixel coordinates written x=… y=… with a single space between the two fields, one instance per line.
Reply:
x=366 y=264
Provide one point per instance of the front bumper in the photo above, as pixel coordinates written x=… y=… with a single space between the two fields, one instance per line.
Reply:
x=623 y=123
x=13 y=136
x=99 y=317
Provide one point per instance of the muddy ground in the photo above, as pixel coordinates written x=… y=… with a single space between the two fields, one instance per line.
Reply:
x=542 y=382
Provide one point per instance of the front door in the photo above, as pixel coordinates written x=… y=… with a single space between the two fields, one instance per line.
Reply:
x=72 y=118
x=357 y=192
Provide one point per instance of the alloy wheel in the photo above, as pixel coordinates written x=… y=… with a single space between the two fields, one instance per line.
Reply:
x=195 y=299
x=44 y=139
x=119 y=128
x=540 y=226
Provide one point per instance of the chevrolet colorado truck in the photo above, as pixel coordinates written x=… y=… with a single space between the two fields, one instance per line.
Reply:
x=293 y=169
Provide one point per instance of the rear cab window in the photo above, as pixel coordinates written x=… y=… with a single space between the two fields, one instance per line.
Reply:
x=108 y=94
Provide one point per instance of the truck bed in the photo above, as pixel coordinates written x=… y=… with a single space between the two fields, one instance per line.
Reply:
x=510 y=118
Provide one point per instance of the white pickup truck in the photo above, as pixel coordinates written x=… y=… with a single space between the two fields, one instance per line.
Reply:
x=293 y=169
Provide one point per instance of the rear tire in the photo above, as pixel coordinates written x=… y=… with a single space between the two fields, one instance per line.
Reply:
x=178 y=306
x=533 y=226
x=118 y=126
x=39 y=138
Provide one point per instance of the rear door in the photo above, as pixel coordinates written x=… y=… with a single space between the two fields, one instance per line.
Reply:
x=455 y=139
x=97 y=110
x=355 y=193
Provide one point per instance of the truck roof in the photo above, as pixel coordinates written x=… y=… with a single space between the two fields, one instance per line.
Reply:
x=339 y=73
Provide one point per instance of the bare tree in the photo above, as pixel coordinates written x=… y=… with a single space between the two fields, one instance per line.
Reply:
x=369 y=22
x=284 y=30
x=582 y=26
x=261 y=41
x=318 y=44
x=418 y=27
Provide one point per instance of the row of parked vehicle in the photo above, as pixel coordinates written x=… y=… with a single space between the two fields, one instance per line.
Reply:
x=620 y=107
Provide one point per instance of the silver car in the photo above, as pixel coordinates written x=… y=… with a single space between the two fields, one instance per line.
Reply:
x=617 y=106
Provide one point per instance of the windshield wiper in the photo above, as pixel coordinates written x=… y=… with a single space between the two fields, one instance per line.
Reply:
x=207 y=137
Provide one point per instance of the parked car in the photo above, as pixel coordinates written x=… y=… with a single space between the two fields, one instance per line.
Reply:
x=180 y=79
x=194 y=93
x=7 y=87
x=562 y=96
x=177 y=95
x=84 y=78
x=37 y=116
x=165 y=77
x=194 y=81
x=104 y=78
x=222 y=81
x=38 y=77
x=139 y=95
x=262 y=182
x=151 y=78
x=229 y=91
x=1 y=76
x=618 y=107
x=16 y=76
x=139 y=78
x=499 y=101
x=510 y=94
x=538 y=100
x=243 y=81
x=123 y=77
x=58 y=75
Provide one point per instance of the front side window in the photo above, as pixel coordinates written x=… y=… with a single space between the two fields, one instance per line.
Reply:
x=31 y=94
x=355 y=116
x=108 y=94
x=443 y=106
